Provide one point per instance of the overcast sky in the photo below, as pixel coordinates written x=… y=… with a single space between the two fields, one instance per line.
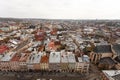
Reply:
x=61 y=9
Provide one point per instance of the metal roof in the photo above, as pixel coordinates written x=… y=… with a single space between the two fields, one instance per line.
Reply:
x=54 y=57
x=103 y=49
x=116 y=48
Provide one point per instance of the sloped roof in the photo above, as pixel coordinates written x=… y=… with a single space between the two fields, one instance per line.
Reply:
x=107 y=60
x=116 y=77
x=54 y=57
x=3 y=48
x=117 y=59
x=116 y=48
x=44 y=59
x=103 y=49
x=112 y=74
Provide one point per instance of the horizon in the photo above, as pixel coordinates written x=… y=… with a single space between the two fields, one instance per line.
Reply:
x=64 y=9
x=52 y=19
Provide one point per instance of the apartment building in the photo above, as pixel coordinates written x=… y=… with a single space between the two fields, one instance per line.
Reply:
x=99 y=52
x=44 y=62
x=54 y=61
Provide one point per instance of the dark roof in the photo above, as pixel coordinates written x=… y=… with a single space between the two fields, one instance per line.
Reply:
x=107 y=60
x=116 y=48
x=117 y=59
x=103 y=49
x=32 y=26
x=116 y=77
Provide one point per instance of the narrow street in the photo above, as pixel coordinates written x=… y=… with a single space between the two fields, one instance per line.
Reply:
x=38 y=75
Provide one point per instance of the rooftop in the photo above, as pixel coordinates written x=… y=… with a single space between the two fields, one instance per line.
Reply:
x=24 y=57
x=103 y=49
x=3 y=48
x=54 y=57
x=8 y=56
x=44 y=59
x=116 y=48
x=64 y=58
x=86 y=58
x=117 y=58
x=34 y=58
x=71 y=57
x=107 y=60
x=16 y=57
x=80 y=59
x=112 y=74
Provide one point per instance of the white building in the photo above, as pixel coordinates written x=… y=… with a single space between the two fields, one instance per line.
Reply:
x=54 y=61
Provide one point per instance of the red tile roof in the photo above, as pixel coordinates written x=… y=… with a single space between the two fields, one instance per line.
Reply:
x=3 y=48
x=54 y=45
x=24 y=58
x=44 y=59
x=1 y=31
x=40 y=35
x=54 y=31
x=41 y=48
x=15 y=58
